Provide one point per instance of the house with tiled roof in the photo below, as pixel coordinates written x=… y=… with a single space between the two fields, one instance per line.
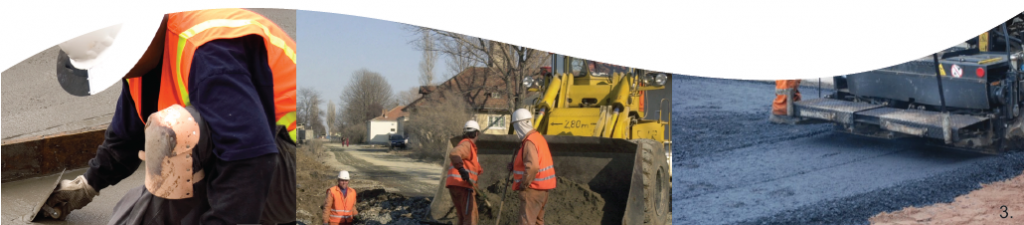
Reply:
x=390 y=122
x=486 y=94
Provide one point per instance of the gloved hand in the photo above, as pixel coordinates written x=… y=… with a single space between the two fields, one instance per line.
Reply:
x=465 y=174
x=510 y=167
x=71 y=195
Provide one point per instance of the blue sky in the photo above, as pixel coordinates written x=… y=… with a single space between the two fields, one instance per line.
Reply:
x=333 y=46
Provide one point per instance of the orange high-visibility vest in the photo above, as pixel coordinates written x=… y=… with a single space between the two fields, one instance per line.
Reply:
x=186 y=31
x=342 y=209
x=545 y=179
x=471 y=164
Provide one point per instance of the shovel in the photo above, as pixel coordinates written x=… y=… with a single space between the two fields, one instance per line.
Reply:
x=487 y=202
x=508 y=182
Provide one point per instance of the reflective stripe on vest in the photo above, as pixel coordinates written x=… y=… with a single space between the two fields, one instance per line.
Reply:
x=186 y=31
x=343 y=205
x=545 y=178
x=454 y=179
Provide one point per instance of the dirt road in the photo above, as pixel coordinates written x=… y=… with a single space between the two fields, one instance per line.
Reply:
x=732 y=166
x=995 y=203
x=393 y=189
x=397 y=174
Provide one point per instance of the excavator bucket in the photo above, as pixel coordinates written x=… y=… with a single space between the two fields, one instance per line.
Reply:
x=630 y=177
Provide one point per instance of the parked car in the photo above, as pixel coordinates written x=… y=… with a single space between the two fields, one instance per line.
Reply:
x=397 y=141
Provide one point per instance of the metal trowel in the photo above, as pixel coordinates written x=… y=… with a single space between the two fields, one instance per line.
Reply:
x=40 y=210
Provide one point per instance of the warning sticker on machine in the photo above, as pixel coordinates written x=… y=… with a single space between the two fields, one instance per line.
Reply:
x=956 y=71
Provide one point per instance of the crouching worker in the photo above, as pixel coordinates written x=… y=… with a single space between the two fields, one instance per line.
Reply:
x=235 y=67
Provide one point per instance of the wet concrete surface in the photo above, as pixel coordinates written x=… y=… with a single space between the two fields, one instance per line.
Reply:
x=732 y=166
x=18 y=195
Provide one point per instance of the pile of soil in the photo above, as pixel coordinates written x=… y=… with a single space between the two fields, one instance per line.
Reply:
x=982 y=206
x=569 y=203
x=378 y=206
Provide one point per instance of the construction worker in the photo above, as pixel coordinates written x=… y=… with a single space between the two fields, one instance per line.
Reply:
x=340 y=206
x=234 y=67
x=786 y=93
x=462 y=174
x=533 y=170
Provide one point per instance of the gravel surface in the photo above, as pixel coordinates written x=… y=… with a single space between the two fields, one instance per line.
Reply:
x=735 y=167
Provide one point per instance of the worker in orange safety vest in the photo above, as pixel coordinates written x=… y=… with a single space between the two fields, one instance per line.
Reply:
x=340 y=206
x=786 y=93
x=533 y=170
x=462 y=174
x=233 y=66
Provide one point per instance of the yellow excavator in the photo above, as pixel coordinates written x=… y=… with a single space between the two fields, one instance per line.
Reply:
x=606 y=127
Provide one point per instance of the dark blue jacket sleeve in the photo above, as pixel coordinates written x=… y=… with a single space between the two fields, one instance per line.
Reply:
x=232 y=87
x=118 y=156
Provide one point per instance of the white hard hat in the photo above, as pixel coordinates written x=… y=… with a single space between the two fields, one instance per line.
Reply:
x=343 y=175
x=521 y=114
x=91 y=63
x=471 y=126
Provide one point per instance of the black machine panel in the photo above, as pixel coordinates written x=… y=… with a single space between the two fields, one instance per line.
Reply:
x=966 y=81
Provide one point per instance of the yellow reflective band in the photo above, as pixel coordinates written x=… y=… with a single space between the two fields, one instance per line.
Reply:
x=177 y=64
x=287 y=121
x=276 y=41
x=199 y=28
x=942 y=71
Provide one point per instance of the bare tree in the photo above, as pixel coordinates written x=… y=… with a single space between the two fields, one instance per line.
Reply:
x=408 y=96
x=332 y=126
x=364 y=98
x=508 y=62
x=438 y=117
x=428 y=61
x=308 y=111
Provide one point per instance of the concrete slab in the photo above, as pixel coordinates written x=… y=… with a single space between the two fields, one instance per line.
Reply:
x=17 y=201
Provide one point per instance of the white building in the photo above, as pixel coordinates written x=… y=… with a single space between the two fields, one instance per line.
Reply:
x=380 y=128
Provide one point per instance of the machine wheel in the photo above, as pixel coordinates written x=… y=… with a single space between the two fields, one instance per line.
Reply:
x=651 y=176
x=657 y=189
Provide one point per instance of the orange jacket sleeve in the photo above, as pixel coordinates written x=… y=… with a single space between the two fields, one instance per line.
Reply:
x=328 y=206
x=460 y=152
x=532 y=163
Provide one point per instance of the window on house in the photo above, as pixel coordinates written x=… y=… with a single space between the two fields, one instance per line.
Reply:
x=496 y=122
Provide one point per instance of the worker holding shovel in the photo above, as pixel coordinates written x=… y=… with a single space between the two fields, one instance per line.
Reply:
x=236 y=166
x=533 y=170
x=462 y=175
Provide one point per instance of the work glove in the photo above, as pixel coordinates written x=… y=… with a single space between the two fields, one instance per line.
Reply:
x=465 y=174
x=510 y=167
x=71 y=195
